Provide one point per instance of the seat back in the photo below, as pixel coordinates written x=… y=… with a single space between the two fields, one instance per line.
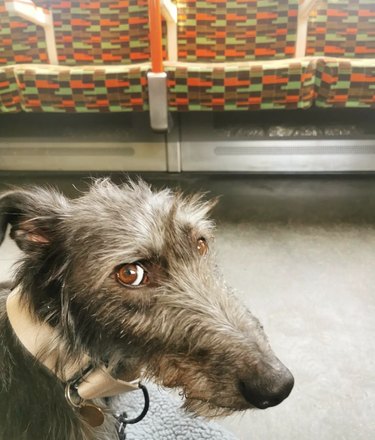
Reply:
x=20 y=40
x=342 y=28
x=101 y=31
x=236 y=30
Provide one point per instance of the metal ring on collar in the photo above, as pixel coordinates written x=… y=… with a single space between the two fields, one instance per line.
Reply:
x=69 y=398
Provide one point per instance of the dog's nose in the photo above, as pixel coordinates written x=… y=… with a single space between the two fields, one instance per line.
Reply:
x=270 y=391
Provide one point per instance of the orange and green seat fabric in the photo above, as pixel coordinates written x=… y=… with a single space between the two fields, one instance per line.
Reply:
x=103 y=55
x=236 y=55
x=20 y=42
x=342 y=34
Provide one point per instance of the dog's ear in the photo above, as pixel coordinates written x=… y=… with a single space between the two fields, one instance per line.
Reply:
x=32 y=214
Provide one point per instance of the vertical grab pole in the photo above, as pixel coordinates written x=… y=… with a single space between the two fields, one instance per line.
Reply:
x=157 y=78
x=154 y=9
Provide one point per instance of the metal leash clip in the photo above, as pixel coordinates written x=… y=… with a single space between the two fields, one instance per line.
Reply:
x=122 y=419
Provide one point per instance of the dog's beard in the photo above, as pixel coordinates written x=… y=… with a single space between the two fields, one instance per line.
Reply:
x=208 y=409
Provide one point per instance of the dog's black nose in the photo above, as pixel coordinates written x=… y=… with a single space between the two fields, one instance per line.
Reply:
x=270 y=391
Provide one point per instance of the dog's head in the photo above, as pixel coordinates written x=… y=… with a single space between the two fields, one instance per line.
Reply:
x=128 y=276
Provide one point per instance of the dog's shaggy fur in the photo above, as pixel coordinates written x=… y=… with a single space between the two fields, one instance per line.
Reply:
x=181 y=326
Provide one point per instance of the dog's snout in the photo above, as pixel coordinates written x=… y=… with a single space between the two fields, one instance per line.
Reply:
x=269 y=390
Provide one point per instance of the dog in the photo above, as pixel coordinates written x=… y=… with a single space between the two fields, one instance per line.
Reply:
x=117 y=285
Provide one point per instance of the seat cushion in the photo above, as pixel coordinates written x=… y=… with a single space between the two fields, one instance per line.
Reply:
x=345 y=83
x=9 y=93
x=281 y=84
x=83 y=88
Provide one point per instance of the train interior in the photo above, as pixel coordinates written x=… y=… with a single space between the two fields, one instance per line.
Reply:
x=269 y=105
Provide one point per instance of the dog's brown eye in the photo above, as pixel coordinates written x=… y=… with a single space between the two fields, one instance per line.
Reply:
x=202 y=246
x=132 y=275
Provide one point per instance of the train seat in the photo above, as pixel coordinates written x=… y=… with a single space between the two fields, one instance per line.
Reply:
x=341 y=33
x=20 y=42
x=238 y=55
x=98 y=56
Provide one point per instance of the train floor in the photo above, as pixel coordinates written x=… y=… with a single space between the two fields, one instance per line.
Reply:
x=300 y=250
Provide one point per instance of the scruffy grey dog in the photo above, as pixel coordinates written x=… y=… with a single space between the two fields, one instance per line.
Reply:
x=125 y=277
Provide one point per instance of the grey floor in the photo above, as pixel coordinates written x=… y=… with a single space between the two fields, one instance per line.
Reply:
x=301 y=252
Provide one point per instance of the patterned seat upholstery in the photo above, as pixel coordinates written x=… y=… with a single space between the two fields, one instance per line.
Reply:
x=236 y=55
x=281 y=84
x=103 y=53
x=20 y=42
x=236 y=30
x=83 y=88
x=343 y=33
x=100 y=32
x=9 y=93
x=232 y=55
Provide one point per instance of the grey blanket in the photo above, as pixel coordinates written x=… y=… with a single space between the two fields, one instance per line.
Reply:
x=165 y=420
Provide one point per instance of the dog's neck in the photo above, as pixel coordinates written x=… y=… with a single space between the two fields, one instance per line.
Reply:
x=37 y=337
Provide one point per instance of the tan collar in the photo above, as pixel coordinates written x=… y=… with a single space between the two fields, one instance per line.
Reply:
x=36 y=336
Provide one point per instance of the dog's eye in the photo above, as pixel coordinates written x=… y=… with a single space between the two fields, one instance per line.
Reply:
x=132 y=275
x=202 y=246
